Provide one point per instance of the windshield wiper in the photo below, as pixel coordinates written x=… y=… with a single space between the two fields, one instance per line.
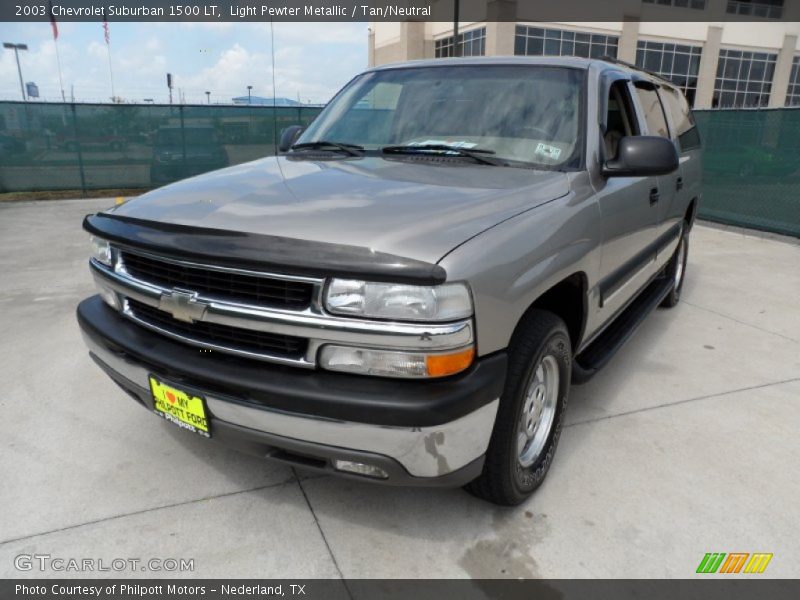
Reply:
x=351 y=149
x=476 y=154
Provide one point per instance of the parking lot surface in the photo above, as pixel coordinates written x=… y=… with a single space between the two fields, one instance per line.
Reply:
x=686 y=443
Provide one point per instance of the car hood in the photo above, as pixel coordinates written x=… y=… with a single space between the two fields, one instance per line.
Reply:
x=419 y=209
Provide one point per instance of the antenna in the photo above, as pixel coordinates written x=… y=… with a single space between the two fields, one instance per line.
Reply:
x=274 y=89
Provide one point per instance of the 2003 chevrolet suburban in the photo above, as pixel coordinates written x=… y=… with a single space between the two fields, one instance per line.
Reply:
x=407 y=292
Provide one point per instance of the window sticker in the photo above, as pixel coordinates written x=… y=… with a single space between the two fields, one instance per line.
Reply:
x=551 y=152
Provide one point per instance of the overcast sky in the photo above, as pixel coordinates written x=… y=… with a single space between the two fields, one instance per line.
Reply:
x=312 y=60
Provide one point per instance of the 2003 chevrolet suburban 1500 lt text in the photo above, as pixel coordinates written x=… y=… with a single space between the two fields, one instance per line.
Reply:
x=407 y=292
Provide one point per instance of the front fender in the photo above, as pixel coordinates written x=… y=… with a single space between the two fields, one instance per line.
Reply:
x=512 y=264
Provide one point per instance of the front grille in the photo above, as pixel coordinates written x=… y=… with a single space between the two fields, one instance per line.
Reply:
x=235 y=338
x=224 y=285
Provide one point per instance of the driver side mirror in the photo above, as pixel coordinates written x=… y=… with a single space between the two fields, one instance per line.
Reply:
x=289 y=137
x=640 y=156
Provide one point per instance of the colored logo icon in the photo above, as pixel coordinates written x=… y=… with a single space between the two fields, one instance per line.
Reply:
x=735 y=562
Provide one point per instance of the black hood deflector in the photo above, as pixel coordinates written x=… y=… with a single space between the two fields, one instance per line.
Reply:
x=261 y=252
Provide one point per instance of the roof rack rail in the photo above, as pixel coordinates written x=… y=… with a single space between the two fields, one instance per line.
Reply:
x=616 y=61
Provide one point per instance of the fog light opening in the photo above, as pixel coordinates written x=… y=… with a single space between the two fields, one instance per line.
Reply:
x=358 y=468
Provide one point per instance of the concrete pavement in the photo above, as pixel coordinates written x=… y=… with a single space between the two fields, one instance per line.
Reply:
x=685 y=444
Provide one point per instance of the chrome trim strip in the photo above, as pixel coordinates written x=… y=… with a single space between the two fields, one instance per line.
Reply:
x=294 y=362
x=423 y=451
x=343 y=330
x=318 y=328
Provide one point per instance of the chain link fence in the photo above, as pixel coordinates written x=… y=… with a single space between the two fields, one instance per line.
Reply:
x=97 y=146
x=751 y=168
x=751 y=157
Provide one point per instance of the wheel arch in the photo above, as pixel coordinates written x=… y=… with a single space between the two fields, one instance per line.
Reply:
x=568 y=300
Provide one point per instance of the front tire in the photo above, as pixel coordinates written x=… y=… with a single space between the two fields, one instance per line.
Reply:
x=530 y=413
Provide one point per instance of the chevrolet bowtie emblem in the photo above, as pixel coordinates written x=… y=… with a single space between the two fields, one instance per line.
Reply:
x=183 y=306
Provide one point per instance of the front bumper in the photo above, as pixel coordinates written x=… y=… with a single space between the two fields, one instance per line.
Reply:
x=419 y=432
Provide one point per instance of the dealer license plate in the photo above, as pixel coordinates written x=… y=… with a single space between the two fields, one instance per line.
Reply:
x=181 y=408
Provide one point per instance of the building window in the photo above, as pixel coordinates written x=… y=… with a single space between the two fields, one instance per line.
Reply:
x=744 y=79
x=696 y=4
x=678 y=63
x=793 y=95
x=473 y=43
x=769 y=9
x=535 y=41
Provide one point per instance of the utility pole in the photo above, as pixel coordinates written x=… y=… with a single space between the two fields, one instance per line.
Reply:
x=16 y=48
x=456 y=45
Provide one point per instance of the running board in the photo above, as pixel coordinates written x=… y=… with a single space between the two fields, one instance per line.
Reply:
x=600 y=351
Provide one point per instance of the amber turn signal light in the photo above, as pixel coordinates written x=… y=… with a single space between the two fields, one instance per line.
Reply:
x=441 y=365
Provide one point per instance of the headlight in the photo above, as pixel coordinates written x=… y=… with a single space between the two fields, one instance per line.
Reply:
x=101 y=250
x=446 y=302
x=390 y=363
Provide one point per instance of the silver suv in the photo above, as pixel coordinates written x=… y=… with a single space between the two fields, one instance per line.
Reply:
x=406 y=293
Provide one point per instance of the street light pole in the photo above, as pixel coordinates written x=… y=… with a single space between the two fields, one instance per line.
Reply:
x=16 y=48
x=249 y=87
x=208 y=96
x=456 y=46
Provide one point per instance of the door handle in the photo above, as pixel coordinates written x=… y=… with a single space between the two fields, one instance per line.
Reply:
x=653 y=196
x=679 y=184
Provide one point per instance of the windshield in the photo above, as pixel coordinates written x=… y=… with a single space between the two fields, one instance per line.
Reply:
x=520 y=113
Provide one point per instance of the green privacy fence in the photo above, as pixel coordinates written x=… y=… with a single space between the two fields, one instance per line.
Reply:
x=751 y=157
x=100 y=146
x=751 y=168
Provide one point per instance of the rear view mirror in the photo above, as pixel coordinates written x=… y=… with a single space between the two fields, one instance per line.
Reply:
x=289 y=137
x=639 y=156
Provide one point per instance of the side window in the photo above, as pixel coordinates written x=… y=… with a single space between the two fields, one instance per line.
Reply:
x=620 y=119
x=653 y=111
x=678 y=108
